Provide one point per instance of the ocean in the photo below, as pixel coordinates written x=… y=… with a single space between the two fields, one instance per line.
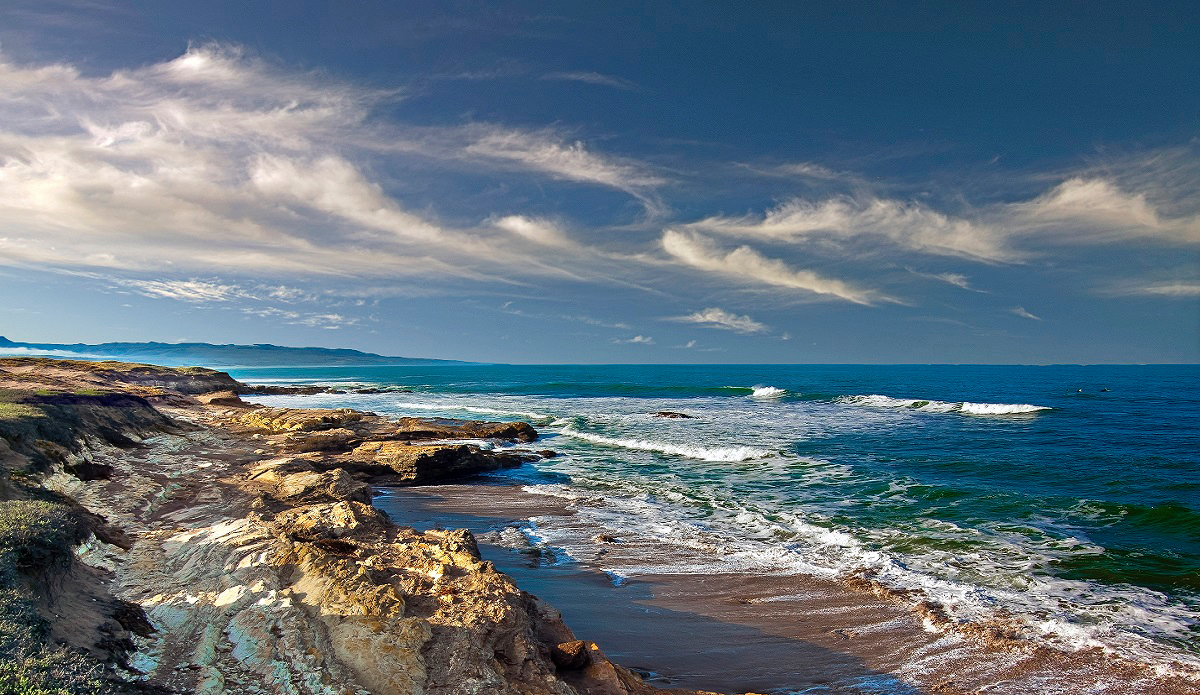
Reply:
x=1063 y=501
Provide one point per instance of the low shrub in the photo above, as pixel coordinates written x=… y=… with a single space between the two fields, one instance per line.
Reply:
x=35 y=538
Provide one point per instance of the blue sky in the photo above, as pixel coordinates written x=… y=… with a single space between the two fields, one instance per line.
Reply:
x=607 y=182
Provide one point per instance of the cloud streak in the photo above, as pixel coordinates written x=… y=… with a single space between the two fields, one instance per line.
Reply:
x=595 y=78
x=215 y=161
x=747 y=265
x=716 y=317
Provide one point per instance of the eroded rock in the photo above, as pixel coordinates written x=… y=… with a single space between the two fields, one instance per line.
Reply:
x=276 y=420
x=415 y=464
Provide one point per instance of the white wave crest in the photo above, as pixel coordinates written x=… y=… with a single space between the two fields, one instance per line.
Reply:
x=416 y=405
x=1000 y=408
x=875 y=400
x=761 y=391
x=695 y=451
x=495 y=411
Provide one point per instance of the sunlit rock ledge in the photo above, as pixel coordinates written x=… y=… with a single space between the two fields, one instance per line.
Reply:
x=160 y=535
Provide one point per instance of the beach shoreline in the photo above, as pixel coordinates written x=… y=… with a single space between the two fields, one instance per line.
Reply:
x=778 y=633
x=247 y=543
x=214 y=546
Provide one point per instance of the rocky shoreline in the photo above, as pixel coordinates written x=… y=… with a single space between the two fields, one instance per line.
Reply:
x=159 y=535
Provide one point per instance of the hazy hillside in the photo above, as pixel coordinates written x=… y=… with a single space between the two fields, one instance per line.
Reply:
x=207 y=354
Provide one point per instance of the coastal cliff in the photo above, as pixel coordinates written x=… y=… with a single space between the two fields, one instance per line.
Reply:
x=159 y=535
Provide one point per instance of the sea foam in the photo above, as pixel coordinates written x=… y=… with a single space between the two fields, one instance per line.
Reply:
x=875 y=400
x=695 y=451
x=761 y=391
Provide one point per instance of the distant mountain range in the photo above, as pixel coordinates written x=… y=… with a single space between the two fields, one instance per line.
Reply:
x=209 y=355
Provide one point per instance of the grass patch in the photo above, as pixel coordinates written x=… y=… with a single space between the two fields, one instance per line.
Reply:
x=13 y=405
x=36 y=537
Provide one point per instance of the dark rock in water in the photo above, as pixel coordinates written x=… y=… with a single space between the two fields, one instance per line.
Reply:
x=399 y=463
x=673 y=414
x=606 y=538
x=412 y=428
x=571 y=656
x=547 y=453
x=286 y=390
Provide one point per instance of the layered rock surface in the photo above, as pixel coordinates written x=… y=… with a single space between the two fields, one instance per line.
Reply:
x=234 y=549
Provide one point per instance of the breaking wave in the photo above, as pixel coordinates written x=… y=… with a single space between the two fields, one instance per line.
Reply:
x=768 y=392
x=927 y=406
x=695 y=451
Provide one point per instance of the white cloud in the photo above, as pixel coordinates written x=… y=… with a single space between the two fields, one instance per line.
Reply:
x=956 y=279
x=591 y=78
x=1097 y=210
x=201 y=291
x=334 y=186
x=537 y=230
x=548 y=153
x=196 y=291
x=748 y=265
x=1158 y=289
x=1023 y=313
x=327 y=321
x=216 y=161
x=842 y=219
x=637 y=340
x=620 y=325
x=720 y=318
x=1152 y=197
x=34 y=352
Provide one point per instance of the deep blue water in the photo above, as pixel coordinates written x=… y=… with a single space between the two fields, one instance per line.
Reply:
x=1067 y=496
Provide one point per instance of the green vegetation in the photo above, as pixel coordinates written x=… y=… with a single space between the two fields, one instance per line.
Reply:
x=36 y=536
x=13 y=405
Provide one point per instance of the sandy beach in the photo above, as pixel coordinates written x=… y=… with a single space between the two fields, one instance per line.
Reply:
x=737 y=632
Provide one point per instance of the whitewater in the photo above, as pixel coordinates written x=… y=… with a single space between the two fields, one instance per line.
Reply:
x=1062 y=500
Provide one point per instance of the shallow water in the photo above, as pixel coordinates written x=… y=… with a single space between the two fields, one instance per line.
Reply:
x=1065 y=499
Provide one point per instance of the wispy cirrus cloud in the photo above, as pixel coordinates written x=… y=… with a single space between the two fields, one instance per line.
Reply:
x=549 y=153
x=198 y=291
x=538 y=230
x=1170 y=289
x=636 y=340
x=717 y=317
x=1023 y=313
x=216 y=161
x=748 y=265
x=1082 y=209
x=589 y=77
x=844 y=219
x=956 y=279
x=327 y=321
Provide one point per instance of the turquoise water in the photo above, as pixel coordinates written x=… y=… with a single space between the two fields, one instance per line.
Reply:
x=1064 y=498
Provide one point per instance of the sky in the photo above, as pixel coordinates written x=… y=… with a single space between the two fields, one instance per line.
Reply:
x=615 y=182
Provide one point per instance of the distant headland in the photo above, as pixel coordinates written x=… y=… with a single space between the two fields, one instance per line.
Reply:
x=208 y=354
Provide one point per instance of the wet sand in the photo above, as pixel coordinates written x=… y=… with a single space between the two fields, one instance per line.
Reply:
x=748 y=632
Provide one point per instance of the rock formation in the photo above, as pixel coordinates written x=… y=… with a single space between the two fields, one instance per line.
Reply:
x=196 y=544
